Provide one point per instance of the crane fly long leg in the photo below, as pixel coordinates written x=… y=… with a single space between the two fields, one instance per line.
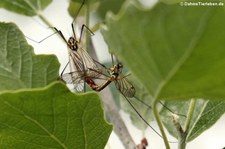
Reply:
x=76 y=14
x=141 y=116
x=171 y=110
x=82 y=29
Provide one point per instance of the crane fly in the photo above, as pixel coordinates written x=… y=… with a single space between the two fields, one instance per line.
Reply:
x=87 y=70
x=79 y=59
x=84 y=69
x=109 y=75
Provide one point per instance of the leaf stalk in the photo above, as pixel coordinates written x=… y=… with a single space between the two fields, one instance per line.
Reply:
x=45 y=20
x=182 y=136
x=159 y=122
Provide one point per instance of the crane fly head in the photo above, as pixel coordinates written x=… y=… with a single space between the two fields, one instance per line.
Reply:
x=119 y=68
x=73 y=44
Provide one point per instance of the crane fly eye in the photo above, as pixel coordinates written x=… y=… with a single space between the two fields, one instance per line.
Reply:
x=71 y=40
x=120 y=65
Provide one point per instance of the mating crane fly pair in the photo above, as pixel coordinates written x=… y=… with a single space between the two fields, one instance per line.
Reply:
x=84 y=69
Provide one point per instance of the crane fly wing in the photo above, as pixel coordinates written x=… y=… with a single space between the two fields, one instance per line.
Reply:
x=125 y=87
x=80 y=61
x=72 y=77
x=76 y=61
x=79 y=86
x=89 y=63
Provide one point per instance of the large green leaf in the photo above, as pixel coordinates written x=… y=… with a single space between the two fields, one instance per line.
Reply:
x=100 y=7
x=75 y=5
x=19 y=67
x=109 y=5
x=211 y=113
x=52 y=117
x=25 y=7
x=176 y=52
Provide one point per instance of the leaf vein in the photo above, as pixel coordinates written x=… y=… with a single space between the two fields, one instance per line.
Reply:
x=187 y=53
x=37 y=123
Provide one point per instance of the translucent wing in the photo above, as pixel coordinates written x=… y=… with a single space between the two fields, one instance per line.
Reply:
x=79 y=87
x=74 y=78
x=76 y=62
x=84 y=68
x=88 y=63
x=78 y=79
x=125 y=87
x=81 y=66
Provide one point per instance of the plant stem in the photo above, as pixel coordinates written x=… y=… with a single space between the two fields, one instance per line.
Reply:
x=190 y=114
x=38 y=11
x=87 y=22
x=181 y=141
x=182 y=138
x=180 y=132
x=45 y=20
x=119 y=126
x=158 y=120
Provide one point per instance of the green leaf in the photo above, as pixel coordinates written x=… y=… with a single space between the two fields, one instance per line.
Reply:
x=25 y=7
x=176 y=52
x=52 y=117
x=109 y=5
x=19 y=67
x=75 y=5
x=97 y=6
x=206 y=114
x=181 y=107
x=211 y=113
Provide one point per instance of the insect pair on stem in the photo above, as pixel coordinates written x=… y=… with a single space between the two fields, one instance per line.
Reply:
x=85 y=70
